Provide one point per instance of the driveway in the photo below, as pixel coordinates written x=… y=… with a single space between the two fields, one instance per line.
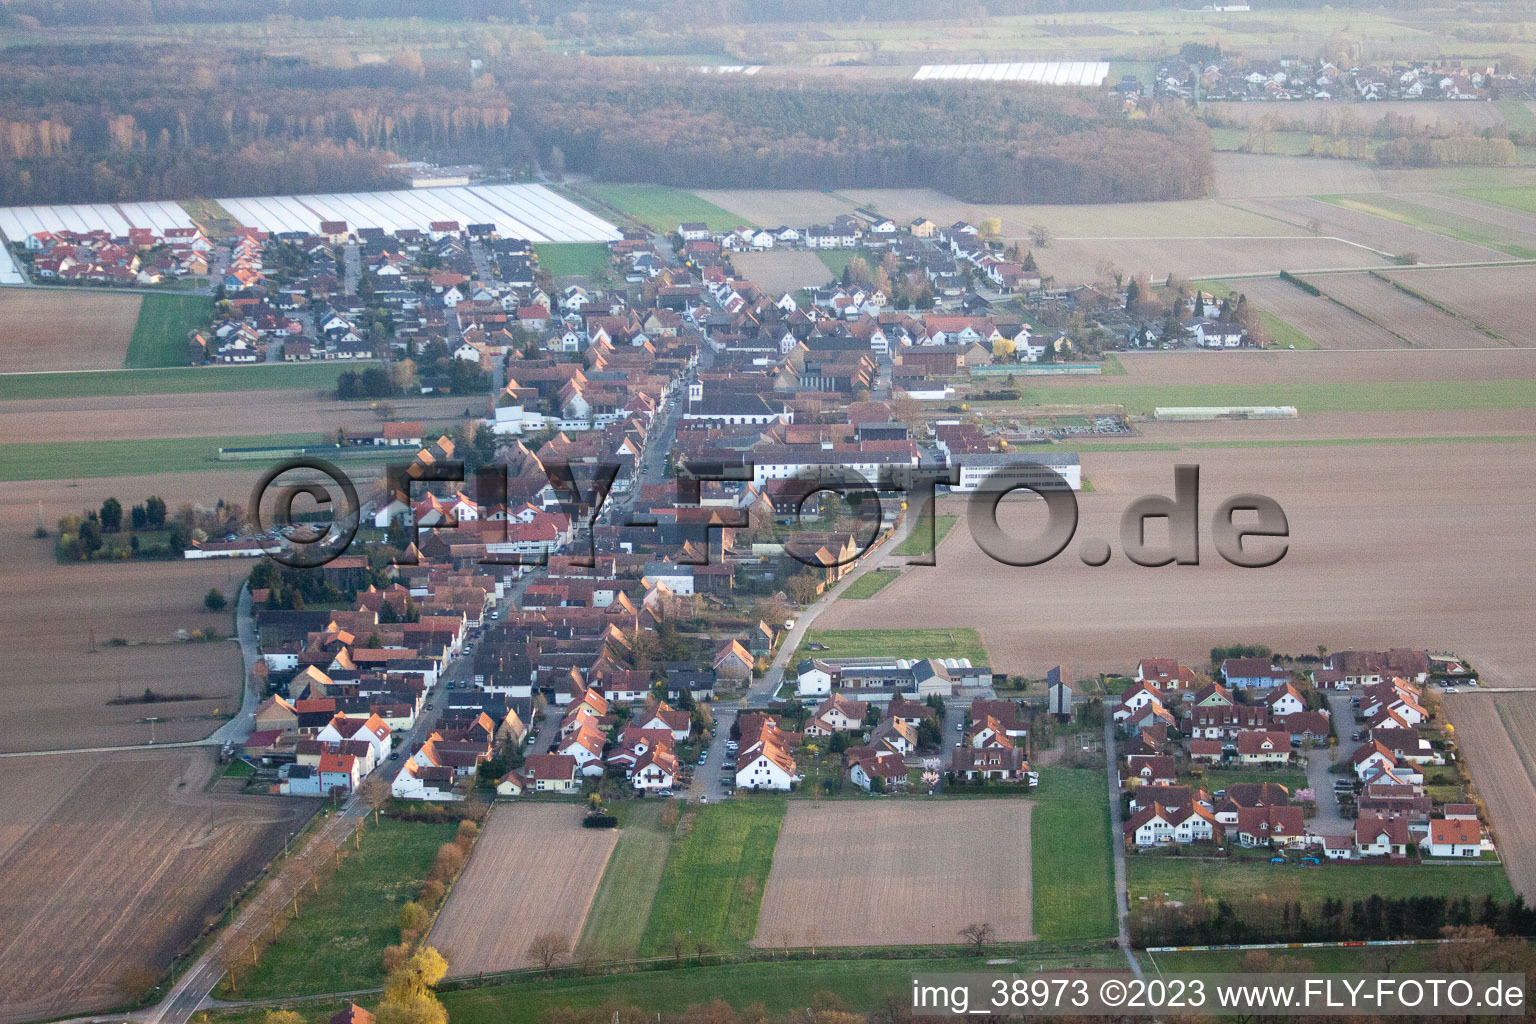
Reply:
x=1329 y=820
x=706 y=777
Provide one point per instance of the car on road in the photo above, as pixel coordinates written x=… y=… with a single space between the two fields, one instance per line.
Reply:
x=1357 y=735
x=429 y=705
x=664 y=792
x=704 y=759
x=731 y=746
x=395 y=756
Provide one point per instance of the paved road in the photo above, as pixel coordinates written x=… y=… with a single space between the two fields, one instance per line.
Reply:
x=762 y=690
x=706 y=777
x=1117 y=843
x=1329 y=820
x=351 y=268
x=237 y=729
x=194 y=987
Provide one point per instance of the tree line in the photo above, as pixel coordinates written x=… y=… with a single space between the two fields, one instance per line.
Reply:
x=1376 y=917
x=120 y=123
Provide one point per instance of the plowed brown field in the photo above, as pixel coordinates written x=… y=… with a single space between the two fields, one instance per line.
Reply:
x=54 y=329
x=896 y=873
x=1498 y=737
x=122 y=862
x=534 y=872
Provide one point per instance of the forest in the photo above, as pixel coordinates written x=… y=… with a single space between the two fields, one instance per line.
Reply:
x=119 y=123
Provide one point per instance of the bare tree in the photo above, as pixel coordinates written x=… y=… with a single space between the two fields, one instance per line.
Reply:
x=677 y=943
x=977 y=935
x=1040 y=236
x=813 y=938
x=549 y=950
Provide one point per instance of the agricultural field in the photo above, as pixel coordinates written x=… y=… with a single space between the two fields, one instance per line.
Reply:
x=1249 y=175
x=1497 y=736
x=1495 y=297
x=1448 y=223
x=1379 y=233
x=43 y=329
x=1510 y=222
x=208 y=415
x=712 y=886
x=118 y=872
x=1417 y=322
x=178 y=381
x=1073 y=870
x=518 y=211
x=1344 y=581
x=887 y=873
x=165 y=322
x=356 y=910
x=18 y=222
x=616 y=921
x=773 y=207
x=1327 y=323
x=782 y=270
x=1074 y=261
x=662 y=208
x=1199 y=218
x=1154 y=876
x=78 y=460
x=896 y=643
x=1320 y=113
x=1419 y=957
x=534 y=872
x=60 y=623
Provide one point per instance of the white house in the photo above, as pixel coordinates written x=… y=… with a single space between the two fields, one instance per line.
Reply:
x=813 y=678
x=1455 y=837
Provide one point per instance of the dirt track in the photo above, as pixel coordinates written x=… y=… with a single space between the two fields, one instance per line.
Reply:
x=893 y=873
x=534 y=871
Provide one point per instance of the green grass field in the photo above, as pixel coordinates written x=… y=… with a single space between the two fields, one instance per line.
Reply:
x=616 y=923
x=868 y=585
x=916 y=542
x=1516 y=114
x=896 y=643
x=1341 y=960
x=713 y=882
x=160 y=335
x=563 y=259
x=338 y=941
x=662 y=208
x=1438 y=221
x=1282 y=334
x=66 y=460
x=179 y=381
x=1155 y=875
x=1306 y=396
x=1514 y=197
x=1071 y=860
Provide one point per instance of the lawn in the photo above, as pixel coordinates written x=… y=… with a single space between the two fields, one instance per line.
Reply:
x=1306 y=396
x=1439 y=221
x=565 y=259
x=180 y=381
x=1215 y=779
x=616 y=923
x=869 y=584
x=896 y=643
x=713 y=882
x=337 y=943
x=1155 y=875
x=837 y=259
x=916 y=542
x=1073 y=872
x=662 y=208
x=160 y=335
x=67 y=460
